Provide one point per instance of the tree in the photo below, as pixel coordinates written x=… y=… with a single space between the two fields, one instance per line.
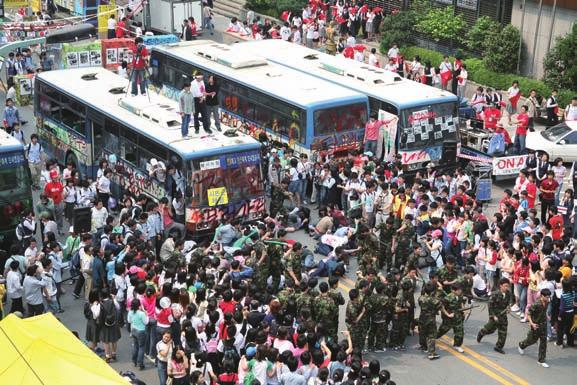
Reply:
x=502 y=50
x=442 y=24
x=481 y=33
x=397 y=28
x=295 y=7
x=561 y=62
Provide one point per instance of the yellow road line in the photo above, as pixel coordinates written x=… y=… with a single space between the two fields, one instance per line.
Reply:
x=474 y=364
x=490 y=363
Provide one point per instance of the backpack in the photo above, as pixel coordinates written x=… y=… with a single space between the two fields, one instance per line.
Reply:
x=230 y=354
x=22 y=231
x=211 y=345
x=87 y=311
x=109 y=313
x=135 y=212
x=75 y=261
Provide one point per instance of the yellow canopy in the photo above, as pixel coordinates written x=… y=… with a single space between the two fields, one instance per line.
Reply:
x=42 y=351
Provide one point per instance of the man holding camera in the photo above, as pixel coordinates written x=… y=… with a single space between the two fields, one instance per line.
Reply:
x=139 y=63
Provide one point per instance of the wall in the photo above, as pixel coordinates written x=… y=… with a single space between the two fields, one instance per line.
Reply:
x=563 y=23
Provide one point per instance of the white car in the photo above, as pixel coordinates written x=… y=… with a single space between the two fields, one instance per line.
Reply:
x=559 y=141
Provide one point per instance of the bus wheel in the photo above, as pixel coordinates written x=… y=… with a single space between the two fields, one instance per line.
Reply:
x=71 y=157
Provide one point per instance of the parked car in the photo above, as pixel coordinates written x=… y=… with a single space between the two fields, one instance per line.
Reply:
x=559 y=141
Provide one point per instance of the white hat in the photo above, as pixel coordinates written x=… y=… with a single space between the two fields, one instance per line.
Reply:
x=71 y=230
x=165 y=302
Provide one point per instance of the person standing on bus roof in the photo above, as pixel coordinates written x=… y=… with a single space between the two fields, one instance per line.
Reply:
x=139 y=63
x=186 y=108
x=199 y=92
x=212 y=89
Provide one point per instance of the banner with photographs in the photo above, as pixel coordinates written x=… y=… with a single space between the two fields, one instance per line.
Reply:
x=82 y=55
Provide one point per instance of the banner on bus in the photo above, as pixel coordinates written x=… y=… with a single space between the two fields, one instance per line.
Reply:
x=11 y=159
x=509 y=165
x=217 y=196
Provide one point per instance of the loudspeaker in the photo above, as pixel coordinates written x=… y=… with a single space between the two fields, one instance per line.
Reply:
x=82 y=220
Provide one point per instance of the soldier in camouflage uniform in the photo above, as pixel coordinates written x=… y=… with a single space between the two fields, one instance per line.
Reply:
x=275 y=252
x=306 y=299
x=430 y=306
x=387 y=235
x=537 y=319
x=439 y=293
x=378 y=308
x=278 y=195
x=356 y=319
x=411 y=279
x=368 y=247
x=327 y=312
x=287 y=295
x=293 y=264
x=466 y=281
x=447 y=274
x=334 y=291
x=453 y=317
x=404 y=241
x=498 y=309
x=401 y=320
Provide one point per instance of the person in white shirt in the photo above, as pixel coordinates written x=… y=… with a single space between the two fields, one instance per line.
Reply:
x=123 y=69
x=571 y=110
x=103 y=187
x=462 y=81
x=373 y=58
x=310 y=28
x=99 y=215
x=446 y=70
x=285 y=32
x=393 y=52
x=14 y=288
x=359 y=56
x=111 y=32
x=351 y=41
x=391 y=66
x=297 y=22
x=297 y=36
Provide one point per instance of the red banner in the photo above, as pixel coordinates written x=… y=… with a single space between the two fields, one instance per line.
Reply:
x=114 y=51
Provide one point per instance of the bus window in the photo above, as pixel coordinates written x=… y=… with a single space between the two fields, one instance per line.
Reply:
x=338 y=119
x=112 y=137
x=428 y=125
x=97 y=140
x=149 y=150
x=128 y=148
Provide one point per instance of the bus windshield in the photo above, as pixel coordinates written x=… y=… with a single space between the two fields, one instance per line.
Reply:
x=427 y=125
x=226 y=178
x=329 y=121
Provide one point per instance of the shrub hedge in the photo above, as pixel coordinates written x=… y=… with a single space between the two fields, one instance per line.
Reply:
x=479 y=73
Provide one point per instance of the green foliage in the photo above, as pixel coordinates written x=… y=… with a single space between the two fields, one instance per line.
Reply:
x=397 y=29
x=561 y=62
x=481 y=33
x=425 y=54
x=276 y=8
x=502 y=50
x=442 y=24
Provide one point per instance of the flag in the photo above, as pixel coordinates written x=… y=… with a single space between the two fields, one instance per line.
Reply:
x=286 y=15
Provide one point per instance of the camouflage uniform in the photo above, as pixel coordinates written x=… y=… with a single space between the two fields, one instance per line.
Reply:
x=410 y=296
x=285 y=296
x=430 y=307
x=498 y=306
x=306 y=300
x=278 y=195
x=327 y=312
x=337 y=297
x=368 y=252
x=379 y=309
x=293 y=264
x=386 y=235
x=404 y=244
x=445 y=274
x=453 y=303
x=358 y=330
x=401 y=320
x=261 y=270
x=538 y=314
x=467 y=284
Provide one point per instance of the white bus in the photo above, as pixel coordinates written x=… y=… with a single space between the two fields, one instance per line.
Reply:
x=84 y=115
x=256 y=95
x=428 y=117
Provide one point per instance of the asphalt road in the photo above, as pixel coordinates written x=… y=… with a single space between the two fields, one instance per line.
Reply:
x=479 y=365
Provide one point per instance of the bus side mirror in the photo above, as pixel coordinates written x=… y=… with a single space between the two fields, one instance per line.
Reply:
x=188 y=192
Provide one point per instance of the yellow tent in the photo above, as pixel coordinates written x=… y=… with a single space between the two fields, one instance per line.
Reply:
x=41 y=351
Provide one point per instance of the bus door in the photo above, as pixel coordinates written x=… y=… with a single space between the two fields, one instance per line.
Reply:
x=95 y=123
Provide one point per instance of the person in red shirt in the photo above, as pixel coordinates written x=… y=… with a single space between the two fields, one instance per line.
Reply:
x=547 y=196
x=55 y=190
x=556 y=222
x=501 y=130
x=372 y=133
x=491 y=116
x=121 y=28
x=531 y=189
x=139 y=63
x=521 y=132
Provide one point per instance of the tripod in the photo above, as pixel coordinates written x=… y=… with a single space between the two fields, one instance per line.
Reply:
x=132 y=74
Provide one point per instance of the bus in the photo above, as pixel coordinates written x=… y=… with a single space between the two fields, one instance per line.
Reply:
x=255 y=95
x=15 y=188
x=427 y=127
x=84 y=115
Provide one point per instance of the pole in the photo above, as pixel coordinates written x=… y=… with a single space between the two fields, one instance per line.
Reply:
x=552 y=25
x=521 y=37
x=536 y=37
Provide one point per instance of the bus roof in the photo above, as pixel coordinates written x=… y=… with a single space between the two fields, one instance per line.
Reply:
x=9 y=143
x=255 y=71
x=157 y=118
x=372 y=81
